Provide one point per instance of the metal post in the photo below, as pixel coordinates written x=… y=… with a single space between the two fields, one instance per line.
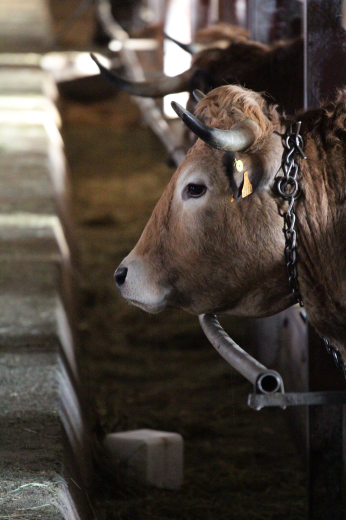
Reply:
x=227 y=11
x=271 y=20
x=325 y=58
x=265 y=381
x=326 y=471
x=150 y=111
x=325 y=50
x=199 y=14
x=326 y=418
x=326 y=434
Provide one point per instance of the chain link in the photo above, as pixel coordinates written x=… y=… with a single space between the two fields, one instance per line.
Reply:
x=336 y=356
x=288 y=188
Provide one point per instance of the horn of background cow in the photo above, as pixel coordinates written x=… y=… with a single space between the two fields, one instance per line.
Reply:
x=191 y=48
x=198 y=95
x=159 y=88
x=240 y=137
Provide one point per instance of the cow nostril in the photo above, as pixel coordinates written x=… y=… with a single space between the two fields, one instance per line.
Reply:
x=120 y=276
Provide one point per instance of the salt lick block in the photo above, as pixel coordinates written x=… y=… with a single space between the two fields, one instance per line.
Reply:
x=150 y=456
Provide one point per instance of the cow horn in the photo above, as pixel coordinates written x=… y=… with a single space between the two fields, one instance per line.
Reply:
x=198 y=95
x=159 y=88
x=240 y=137
x=191 y=48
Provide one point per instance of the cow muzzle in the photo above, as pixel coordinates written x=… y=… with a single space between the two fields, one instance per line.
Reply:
x=136 y=283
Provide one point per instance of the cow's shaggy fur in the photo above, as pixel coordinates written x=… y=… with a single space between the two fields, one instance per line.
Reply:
x=228 y=105
x=321 y=221
x=221 y=31
x=276 y=70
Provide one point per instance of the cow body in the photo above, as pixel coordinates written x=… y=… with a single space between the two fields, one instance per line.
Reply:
x=208 y=248
x=276 y=69
x=321 y=221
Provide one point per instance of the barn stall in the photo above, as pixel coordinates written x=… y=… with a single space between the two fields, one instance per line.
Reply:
x=160 y=372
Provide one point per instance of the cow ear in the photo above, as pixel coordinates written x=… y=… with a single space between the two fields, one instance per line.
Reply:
x=240 y=180
x=234 y=176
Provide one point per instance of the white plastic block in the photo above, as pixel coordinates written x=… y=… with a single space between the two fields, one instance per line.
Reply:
x=150 y=456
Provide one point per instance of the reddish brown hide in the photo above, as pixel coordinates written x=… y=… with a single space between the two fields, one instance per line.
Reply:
x=209 y=248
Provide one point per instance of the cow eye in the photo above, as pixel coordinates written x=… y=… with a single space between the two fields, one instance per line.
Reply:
x=195 y=190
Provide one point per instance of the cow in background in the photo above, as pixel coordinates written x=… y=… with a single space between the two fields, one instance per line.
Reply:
x=230 y=58
x=216 y=36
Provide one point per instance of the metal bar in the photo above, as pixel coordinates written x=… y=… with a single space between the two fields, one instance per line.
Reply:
x=325 y=55
x=272 y=20
x=326 y=437
x=259 y=401
x=326 y=463
x=325 y=40
x=266 y=381
x=148 y=107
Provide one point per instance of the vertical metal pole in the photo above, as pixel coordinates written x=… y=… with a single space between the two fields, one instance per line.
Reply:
x=227 y=12
x=272 y=20
x=199 y=14
x=325 y=50
x=260 y=19
x=325 y=71
x=326 y=438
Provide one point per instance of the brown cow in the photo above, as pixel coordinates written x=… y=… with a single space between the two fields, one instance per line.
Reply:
x=208 y=248
x=216 y=36
x=276 y=70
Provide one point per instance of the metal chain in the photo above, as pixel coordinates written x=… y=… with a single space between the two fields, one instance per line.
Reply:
x=288 y=188
x=336 y=356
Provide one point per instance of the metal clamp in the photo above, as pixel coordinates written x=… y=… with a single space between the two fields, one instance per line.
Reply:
x=268 y=384
x=265 y=381
x=259 y=401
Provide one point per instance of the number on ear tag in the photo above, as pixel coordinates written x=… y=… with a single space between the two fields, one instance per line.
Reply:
x=247 y=186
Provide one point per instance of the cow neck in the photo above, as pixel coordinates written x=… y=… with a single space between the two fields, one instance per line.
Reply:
x=289 y=189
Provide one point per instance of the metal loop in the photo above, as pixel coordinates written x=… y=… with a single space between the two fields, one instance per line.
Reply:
x=288 y=168
x=289 y=157
x=336 y=356
x=290 y=221
x=284 y=183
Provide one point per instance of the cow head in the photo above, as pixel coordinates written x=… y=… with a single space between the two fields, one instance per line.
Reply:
x=212 y=244
x=210 y=67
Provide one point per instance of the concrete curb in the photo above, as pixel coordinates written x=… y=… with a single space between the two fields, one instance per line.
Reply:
x=45 y=462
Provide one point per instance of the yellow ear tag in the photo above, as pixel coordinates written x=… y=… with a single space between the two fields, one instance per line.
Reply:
x=247 y=186
x=239 y=165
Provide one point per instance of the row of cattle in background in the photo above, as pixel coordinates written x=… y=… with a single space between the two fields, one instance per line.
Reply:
x=225 y=55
